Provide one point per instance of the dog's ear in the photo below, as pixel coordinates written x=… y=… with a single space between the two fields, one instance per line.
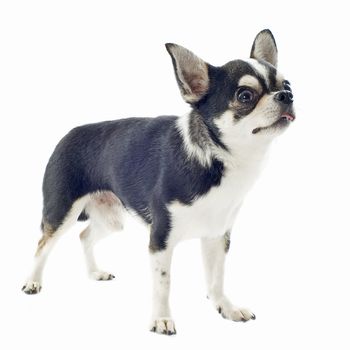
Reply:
x=191 y=73
x=264 y=47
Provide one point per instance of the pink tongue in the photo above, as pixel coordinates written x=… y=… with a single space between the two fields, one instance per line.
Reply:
x=288 y=116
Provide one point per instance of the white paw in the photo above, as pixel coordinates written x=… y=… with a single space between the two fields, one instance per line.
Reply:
x=231 y=312
x=163 y=325
x=31 y=287
x=101 y=276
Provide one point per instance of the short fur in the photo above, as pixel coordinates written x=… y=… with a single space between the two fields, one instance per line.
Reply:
x=185 y=177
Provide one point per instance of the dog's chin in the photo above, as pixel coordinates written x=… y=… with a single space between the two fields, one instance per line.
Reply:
x=279 y=125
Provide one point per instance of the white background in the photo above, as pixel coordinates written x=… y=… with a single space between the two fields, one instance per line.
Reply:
x=65 y=63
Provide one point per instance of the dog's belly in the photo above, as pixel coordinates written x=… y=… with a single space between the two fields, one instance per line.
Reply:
x=212 y=214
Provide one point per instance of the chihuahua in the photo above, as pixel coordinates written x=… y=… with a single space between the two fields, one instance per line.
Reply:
x=185 y=177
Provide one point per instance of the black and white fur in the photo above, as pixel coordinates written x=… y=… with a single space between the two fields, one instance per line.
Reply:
x=186 y=177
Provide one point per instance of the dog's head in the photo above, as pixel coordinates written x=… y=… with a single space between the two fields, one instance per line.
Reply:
x=242 y=101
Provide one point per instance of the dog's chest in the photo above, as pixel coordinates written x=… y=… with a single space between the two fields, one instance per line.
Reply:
x=213 y=214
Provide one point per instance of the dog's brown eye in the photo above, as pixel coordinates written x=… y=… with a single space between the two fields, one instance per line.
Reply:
x=245 y=95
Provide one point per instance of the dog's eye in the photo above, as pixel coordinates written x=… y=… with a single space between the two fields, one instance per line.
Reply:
x=245 y=95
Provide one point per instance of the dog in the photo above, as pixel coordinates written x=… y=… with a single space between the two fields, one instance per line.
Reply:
x=185 y=177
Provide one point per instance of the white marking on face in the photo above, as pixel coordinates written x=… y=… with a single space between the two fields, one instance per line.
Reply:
x=279 y=78
x=250 y=81
x=259 y=68
x=237 y=134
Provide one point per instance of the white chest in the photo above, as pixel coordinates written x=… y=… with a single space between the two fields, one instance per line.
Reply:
x=213 y=214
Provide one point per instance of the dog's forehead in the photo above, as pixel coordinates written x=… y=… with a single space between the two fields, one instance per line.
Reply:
x=252 y=72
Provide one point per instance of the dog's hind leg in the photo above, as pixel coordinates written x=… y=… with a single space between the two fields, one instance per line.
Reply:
x=46 y=243
x=50 y=236
x=105 y=211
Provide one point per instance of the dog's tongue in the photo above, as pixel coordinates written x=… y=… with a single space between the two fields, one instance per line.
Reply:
x=288 y=116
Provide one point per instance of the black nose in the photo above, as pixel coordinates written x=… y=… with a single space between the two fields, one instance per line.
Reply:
x=284 y=96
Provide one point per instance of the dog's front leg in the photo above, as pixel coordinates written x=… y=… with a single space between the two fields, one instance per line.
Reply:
x=161 y=316
x=214 y=252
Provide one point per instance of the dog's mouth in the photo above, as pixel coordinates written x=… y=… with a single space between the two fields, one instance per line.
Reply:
x=283 y=121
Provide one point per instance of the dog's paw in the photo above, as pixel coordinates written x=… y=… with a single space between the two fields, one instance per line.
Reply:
x=231 y=312
x=101 y=276
x=31 y=287
x=163 y=326
x=236 y=314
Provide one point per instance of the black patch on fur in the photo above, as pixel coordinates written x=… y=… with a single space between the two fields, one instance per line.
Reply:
x=141 y=160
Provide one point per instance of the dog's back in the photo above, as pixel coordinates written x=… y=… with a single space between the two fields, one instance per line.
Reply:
x=109 y=156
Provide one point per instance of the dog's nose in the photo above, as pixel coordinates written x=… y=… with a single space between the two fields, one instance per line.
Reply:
x=284 y=96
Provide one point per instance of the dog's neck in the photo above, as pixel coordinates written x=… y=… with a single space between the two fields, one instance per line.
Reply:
x=202 y=142
x=196 y=139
